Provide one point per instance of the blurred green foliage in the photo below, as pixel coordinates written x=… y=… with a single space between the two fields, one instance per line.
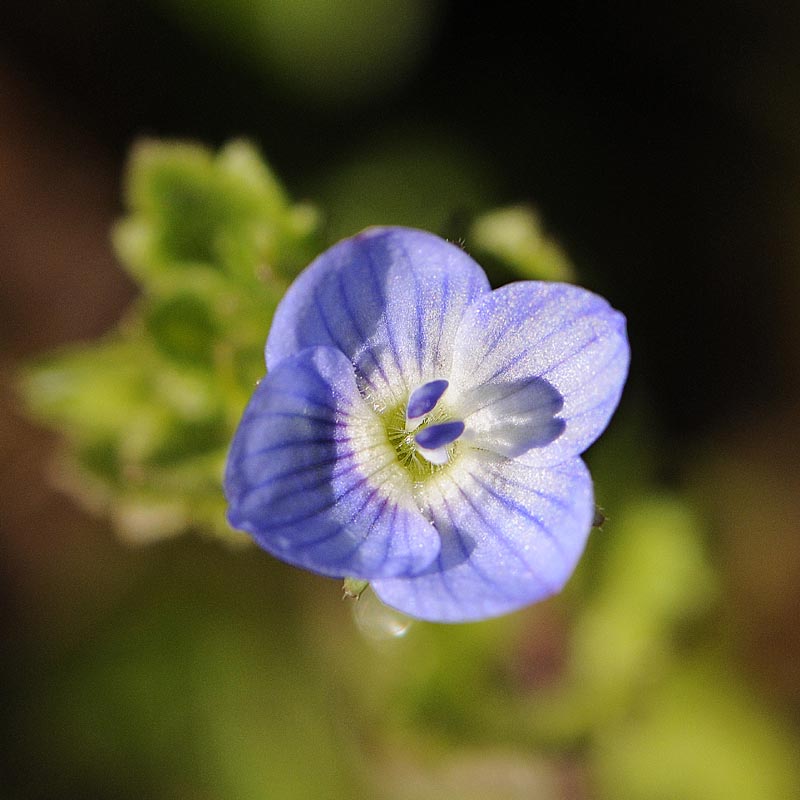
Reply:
x=413 y=176
x=239 y=677
x=213 y=242
x=322 y=52
x=515 y=236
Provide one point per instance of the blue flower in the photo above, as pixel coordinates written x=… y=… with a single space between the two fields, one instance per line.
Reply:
x=420 y=431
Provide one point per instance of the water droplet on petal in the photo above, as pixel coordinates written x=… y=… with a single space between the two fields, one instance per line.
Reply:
x=377 y=621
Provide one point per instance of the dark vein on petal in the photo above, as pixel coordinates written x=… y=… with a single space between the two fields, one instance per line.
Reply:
x=321 y=311
x=305 y=417
x=557 y=501
x=519 y=509
x=418 y=306
x=385 y=316
x=443 y=313
x=328 y=440
x=470 y=562
x=534 y=344
x=359 y=333
x=572 y=354
x=602 y=367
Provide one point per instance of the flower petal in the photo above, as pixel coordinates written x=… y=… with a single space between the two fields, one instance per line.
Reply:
x=312 y=476
x=553 y=355
x=390 y=299
x=511 y=418
x=511 y=535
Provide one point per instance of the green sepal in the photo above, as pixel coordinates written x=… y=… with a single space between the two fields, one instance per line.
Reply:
x=354 y=587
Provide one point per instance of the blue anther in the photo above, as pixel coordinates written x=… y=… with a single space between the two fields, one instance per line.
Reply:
x=435 y=436
x=424 y=399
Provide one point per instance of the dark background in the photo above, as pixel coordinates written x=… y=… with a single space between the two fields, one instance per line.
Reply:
x=660 y=143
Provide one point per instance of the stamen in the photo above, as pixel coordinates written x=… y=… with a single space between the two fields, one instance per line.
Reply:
x=439 y=457
x=435 y=436
x=423 y=400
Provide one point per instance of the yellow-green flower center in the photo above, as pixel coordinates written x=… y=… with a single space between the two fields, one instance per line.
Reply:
x=405 y=447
